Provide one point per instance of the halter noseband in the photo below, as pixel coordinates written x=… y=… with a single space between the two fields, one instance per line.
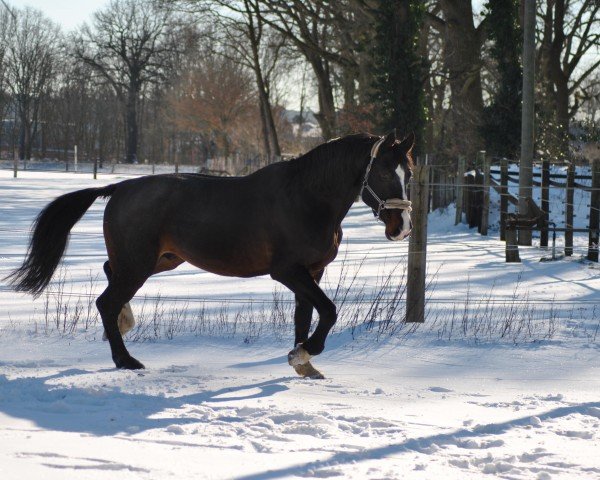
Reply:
x=390 y=203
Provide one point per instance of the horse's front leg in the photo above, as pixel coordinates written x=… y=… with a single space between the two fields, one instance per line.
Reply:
x=308 y=295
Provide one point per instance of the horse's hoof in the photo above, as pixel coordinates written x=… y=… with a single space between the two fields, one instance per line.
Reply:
x=129 y=363
x=308 y=371
x=298 y=356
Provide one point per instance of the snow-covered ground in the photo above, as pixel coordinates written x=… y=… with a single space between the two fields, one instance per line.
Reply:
x=502 y=379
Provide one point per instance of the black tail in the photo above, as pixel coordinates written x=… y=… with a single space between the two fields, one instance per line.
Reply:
x=50 y=237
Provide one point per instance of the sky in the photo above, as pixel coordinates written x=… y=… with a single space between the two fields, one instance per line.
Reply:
x=72 y=13
x=68 y=13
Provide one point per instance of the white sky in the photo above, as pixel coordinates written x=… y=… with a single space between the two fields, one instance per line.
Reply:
x=68 y=13
x=72 y=13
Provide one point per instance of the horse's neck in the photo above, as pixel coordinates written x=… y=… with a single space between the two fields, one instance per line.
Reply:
x=343 y=190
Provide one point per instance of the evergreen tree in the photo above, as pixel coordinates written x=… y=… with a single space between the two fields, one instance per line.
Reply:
x=397 y=70
x=502 y=119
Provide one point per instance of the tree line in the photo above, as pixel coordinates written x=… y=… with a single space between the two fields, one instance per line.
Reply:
x=191 y=80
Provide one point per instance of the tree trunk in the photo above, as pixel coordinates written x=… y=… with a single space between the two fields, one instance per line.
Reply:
x=270 y=139
x=462 y=56
x=556 y=82
x=264 y=128
x=326 y=116
x=267 y=113
x=423 y=47
x=131 y=127
x=562 y=111
x=24 y=133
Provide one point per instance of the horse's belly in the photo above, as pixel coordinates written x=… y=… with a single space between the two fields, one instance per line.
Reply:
x=230 y=260
x=230 y=269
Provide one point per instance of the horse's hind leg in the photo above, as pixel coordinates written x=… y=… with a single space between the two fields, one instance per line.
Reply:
x=109 y=305
x=126 y=279
x=126 y=320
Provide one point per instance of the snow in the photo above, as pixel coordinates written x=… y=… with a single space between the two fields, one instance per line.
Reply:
x=467 y=395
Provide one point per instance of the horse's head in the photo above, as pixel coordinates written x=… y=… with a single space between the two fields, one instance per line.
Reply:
x=385 y=184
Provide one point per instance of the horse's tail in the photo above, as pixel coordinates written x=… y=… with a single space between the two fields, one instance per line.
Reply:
x=50 y=237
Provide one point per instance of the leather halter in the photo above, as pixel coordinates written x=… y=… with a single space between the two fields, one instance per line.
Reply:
x=390 y=203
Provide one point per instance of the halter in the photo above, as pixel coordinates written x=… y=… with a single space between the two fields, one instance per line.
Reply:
x=390 y=203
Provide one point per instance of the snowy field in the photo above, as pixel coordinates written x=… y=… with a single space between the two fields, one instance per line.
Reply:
x=502 y=380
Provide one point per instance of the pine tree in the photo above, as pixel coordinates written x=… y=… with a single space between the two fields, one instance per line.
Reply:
x=397 y=71
x=502 y=119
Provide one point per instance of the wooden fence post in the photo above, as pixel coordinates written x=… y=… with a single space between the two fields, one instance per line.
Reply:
x=569 y=210
x=503 y=197
x=417 y=247
x=594 y=237
x=545 y=206
x=512 y=247
x=485 y=212
x=460 y=180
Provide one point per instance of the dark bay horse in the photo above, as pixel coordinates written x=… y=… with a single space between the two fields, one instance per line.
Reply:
x=283 y=220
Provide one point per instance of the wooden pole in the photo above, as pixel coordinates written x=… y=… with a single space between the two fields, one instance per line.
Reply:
x=594 y=237
x=460 y=180
x=527 y=118
x=75 y=158
x=15 y=164
x=545 y=206
x=417 y=247
x=512 y=249
x=569 y=210
x=96 y=168
x=485 y=212
x=503 y=197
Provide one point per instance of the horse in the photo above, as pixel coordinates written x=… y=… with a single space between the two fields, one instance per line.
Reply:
x=283 y=220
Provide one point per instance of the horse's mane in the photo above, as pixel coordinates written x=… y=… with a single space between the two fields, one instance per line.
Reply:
x=335 y=161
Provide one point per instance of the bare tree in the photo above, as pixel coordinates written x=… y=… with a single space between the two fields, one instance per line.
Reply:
x=32 y=46
x=309 y=27
x=462 y=59
x=6 y=18
x=216 y=100
x=568 y=30
x=589 y=98
x=243 y=32
x=129 y=45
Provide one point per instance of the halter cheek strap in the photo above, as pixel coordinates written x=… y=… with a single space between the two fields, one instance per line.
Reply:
x=390 y=203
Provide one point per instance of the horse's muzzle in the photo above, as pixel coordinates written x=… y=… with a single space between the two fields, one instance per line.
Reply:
x=400 y=236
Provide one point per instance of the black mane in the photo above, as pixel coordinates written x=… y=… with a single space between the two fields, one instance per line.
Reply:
x=334 y=161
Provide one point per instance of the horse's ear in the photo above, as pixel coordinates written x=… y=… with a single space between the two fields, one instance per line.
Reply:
x=390 y=138
x=408 y=143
